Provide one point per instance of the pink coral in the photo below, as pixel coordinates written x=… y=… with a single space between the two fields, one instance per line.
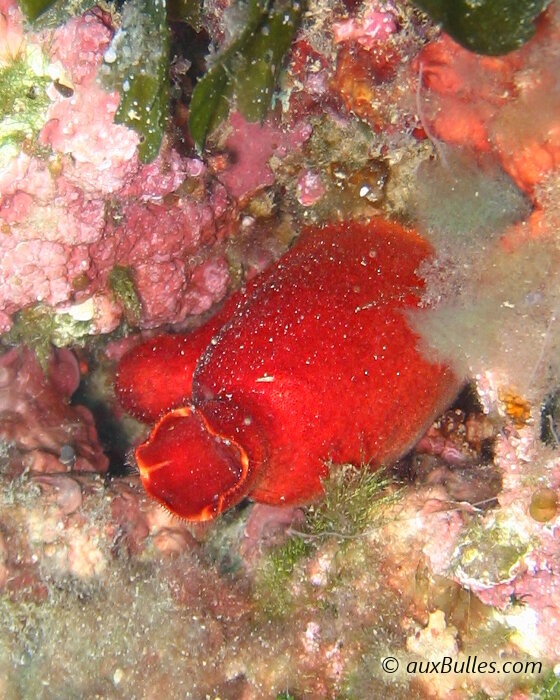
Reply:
x=164 y=244
x=79 y=45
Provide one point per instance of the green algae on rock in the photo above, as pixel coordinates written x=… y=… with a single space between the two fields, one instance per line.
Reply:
x=23 y=109
x=492 y=27
x=33 y=8
x=273 y=590
x=40 y=327
x=355 y=502
x=122 y=285
x=247 y=70
x=50 y=13
x=136 y=63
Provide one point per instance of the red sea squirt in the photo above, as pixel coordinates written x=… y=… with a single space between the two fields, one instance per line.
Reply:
x=312 y=363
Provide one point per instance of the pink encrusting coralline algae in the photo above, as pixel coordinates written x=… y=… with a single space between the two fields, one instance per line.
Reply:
x=377 y=23
x=80 y=202
x=69 y=217
x=37 y=420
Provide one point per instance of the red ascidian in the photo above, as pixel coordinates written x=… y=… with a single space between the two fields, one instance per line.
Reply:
x=312 y=363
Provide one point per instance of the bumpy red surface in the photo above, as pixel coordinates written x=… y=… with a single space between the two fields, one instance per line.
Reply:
x=313 y=363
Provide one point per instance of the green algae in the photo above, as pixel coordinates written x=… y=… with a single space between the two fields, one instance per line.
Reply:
x=24 y=102
x=33 y=8
x=52 y=13
x=40 y=327
x=355 y=499
x=548 y=688
x=121 y=283
x=354 y=502
x=492 y=27
x=247 y=71
x=137 y=64
x=273 y=589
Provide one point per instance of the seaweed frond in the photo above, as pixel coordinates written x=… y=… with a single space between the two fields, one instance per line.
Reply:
x=41 y=326
x=124 y=291
x=355 y=498
x=354 y=503
x=273 y=592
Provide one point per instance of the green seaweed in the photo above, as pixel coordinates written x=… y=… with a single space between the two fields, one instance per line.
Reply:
x=124 y=291
x=24 y=104
x=547 y=688
x=188 y=11
x=355 y=498
x=492 y=27
x=272 y=585
x=137 y=64
x=40 y=327
x=51 y=13
x=33 y=8
x=247 y=71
